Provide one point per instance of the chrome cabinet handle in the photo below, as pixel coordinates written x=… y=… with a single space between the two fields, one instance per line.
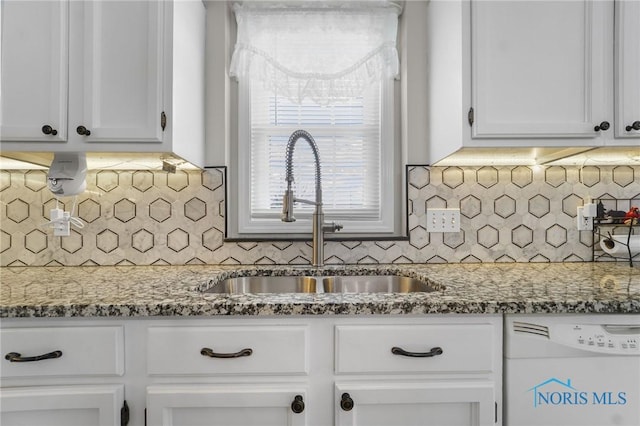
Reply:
x=634 y=126
x=433 y=352
x=48 y=130
x=297 y=406
x=16 y=357
x=602 y=126
x=83 y=131
x=210 y=353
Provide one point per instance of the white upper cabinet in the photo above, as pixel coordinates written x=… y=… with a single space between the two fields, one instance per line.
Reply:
x=34 y=73
x=116 y=72
x=533 y=78
x=130 y=74
x=540 y=68
x=627 y=80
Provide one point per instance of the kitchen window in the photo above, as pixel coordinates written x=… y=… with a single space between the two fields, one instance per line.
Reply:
x=327 y=68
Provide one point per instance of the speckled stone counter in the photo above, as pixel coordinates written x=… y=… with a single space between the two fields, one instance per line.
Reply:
x=132 y=291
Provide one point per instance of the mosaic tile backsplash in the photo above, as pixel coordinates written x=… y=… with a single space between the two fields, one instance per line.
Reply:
x=508 y=214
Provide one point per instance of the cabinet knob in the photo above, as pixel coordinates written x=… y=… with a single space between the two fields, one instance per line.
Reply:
x=48 y=130
x=602 y=126
x=297 y=406
x=634 y=126
x=83 y=131
x=346 y=403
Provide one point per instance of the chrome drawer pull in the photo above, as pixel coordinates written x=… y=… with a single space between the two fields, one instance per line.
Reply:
x=210 y=353
x=16 y=357
x=433 y=352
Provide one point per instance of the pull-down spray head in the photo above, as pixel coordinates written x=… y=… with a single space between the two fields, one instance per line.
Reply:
x=287 y=205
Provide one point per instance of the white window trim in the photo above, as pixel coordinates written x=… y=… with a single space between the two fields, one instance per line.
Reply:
x=386 y=226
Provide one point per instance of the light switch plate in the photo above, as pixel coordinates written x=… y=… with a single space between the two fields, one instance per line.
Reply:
x=443 y=220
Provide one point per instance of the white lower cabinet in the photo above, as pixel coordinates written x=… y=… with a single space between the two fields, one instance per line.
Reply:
x=57 y=375
x=257 y=362
x=253 y=371
x=228 y=405
x=429 y=403
x=442 y=373
x=435 y=370
x=229 y=349
x=77 y=405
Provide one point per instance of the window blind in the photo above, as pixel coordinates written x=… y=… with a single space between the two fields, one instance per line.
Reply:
x=348 y=139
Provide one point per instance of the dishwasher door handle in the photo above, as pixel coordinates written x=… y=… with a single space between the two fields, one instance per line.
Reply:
x=622 y=329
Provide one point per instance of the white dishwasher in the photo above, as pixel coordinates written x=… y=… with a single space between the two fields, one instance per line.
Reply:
x=565 y=370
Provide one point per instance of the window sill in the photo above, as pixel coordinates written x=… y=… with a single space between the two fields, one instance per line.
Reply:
x=307 y=238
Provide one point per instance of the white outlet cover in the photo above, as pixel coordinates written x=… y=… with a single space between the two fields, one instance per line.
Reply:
x=443 y=220
x=583 y=223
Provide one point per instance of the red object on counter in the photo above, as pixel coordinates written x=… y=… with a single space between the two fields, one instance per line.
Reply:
x=634 y=212
x=632 y=216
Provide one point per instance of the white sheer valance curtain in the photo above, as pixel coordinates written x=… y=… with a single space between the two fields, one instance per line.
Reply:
x=318 y=50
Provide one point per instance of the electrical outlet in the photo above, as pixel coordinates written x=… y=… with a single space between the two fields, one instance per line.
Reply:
x=443 y=220
x=583 y=222
x=61 y=223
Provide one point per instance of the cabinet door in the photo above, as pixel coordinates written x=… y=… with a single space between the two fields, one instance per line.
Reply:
x=627 y=69
x=34 y=71
x=62 y=405
x=229 y=405
x=410 y=403
x=541 y=69
x=116 y=71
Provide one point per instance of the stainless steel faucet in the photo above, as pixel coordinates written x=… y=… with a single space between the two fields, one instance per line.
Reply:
x=319 y=227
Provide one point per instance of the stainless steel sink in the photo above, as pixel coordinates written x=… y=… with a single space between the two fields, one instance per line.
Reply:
x=268 y=284
x=374 y=284
x=330 y=284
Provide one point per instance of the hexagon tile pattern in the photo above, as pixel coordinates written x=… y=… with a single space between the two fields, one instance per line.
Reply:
x=508 y=214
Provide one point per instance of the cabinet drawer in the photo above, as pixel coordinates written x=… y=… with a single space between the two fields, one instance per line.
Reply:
x=79 y=350
x=238 y=349
x=368 y=349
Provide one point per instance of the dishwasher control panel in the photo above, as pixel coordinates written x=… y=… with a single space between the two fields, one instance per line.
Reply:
x=611 y=339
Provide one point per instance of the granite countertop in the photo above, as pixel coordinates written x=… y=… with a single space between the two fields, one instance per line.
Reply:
x=141 y=291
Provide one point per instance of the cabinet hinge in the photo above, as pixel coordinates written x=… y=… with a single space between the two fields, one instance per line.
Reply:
x=124 y=414
x=163 y=120
x=470 y=116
